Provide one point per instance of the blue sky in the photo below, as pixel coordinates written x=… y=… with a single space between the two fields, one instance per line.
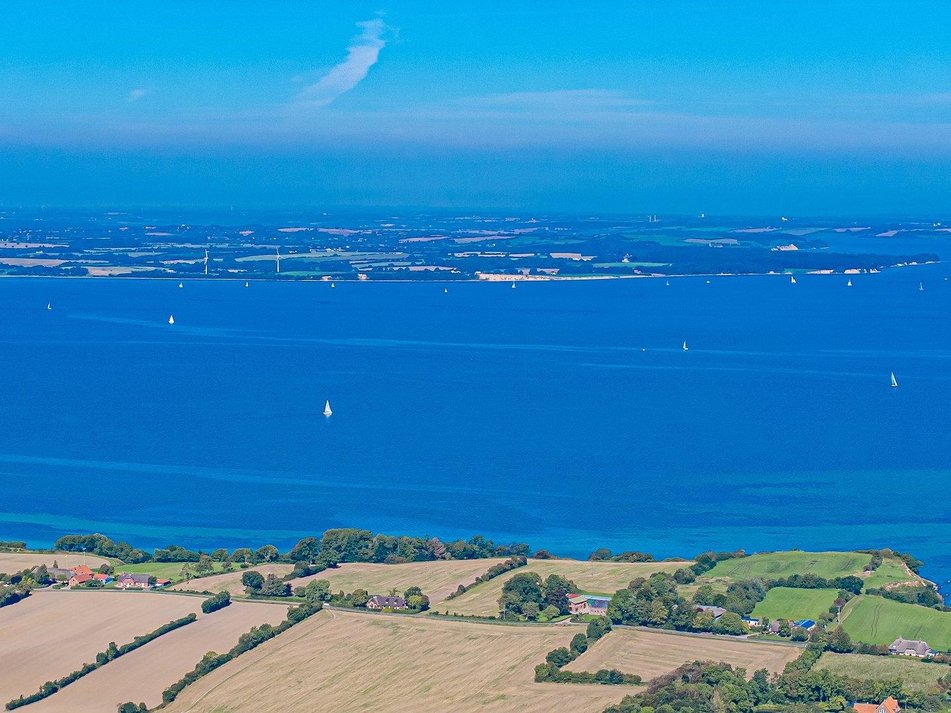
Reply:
x=725 y=107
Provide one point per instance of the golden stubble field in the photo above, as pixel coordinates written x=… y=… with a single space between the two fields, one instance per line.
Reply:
x=51 y=633
x=142 y=675
x=341 y=661
x=17 y=561
x=437 y=579
x=653 y=653
x=599 y=577
x=230 y=581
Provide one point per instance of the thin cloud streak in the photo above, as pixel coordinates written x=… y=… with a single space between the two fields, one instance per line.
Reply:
x=135 y=94
x=362 y=54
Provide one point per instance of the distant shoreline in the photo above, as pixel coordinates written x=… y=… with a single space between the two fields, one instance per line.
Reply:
x=487 y=278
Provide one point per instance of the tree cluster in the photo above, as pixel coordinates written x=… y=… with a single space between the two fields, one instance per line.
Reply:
x=527 y=597
x=557 y=658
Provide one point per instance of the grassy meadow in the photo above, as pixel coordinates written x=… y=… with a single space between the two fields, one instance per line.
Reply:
x=890 y=572
x=911 y=672
x=876 y=620
x=774 y=565
x=789 y=603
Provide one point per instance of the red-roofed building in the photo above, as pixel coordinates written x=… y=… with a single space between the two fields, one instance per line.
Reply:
x=79 y=579
x=889 y=705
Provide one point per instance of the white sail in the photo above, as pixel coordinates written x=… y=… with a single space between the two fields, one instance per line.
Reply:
x=685 y=345
x=171 y=319
x=849 y=283
x=445 y=290
x=332 y=284
x=327 y=410
x=921 y=287
x=246 y=284
x=894 y=381
x=49 y=305
x=792 y=279
x=513 y=284
x=667 y=283
x=181 y=285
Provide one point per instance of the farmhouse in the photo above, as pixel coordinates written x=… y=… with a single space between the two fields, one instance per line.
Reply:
x=889 y=705
x=378 y=601
x=588 y=604
x=910 y=647
x=78 y=579
x=133 y=581
x=716 y=612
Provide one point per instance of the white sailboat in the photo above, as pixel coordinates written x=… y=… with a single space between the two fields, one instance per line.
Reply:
x=328 y=412
x=685 y=345
x=894 y=381
x=181 y=285
x=332 y=284
x=246 y=284
x=921 y=287
x=445 y=290
x=667 y=283
x=792 y=279
x=513 y=284
x=171 y=319
x=49 y=305
x=849 y=283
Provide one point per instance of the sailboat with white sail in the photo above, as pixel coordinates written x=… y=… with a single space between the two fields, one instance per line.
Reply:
x=894 y=381
x=171 y=319
x=849 y=283
x=328 y=412
x=792 y=279
x=685 y=345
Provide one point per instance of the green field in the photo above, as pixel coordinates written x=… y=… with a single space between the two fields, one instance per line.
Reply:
x=774 y=565
x=889 y=571
x=789 y=603
x=876 y=620
x=162 y=570
x=915 y=675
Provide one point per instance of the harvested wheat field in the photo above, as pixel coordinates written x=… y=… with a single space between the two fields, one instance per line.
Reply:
x=592 y=577
x=230 y=581
x=437 y=579
x=652 y=653
x=50 y=634
x=16 y=561
x=338 y=661
x=142 y=675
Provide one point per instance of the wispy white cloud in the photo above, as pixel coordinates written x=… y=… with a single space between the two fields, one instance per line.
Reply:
x=135 y=94
x=363 y=53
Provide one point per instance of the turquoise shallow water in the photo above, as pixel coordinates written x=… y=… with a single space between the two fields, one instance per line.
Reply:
x=562 y=414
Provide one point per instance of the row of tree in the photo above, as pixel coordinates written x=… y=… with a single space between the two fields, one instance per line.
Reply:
x=334 y=546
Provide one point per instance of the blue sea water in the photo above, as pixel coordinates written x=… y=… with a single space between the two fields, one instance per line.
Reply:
x=564 y=414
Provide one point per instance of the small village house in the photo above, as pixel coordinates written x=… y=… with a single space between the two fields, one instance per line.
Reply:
x=910 y=647
x=716 y=612
x=133 y=581
x=588 y=604
x=379 y=601
x=80 y=575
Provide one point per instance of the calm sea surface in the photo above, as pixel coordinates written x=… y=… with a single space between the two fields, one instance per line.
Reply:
x=562 y=414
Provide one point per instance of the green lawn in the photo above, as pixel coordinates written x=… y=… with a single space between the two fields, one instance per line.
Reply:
x=789 y=603
x=915 y=675
x=162 y=570
x=774 y=565
x=876 y=620
x=889 y=571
